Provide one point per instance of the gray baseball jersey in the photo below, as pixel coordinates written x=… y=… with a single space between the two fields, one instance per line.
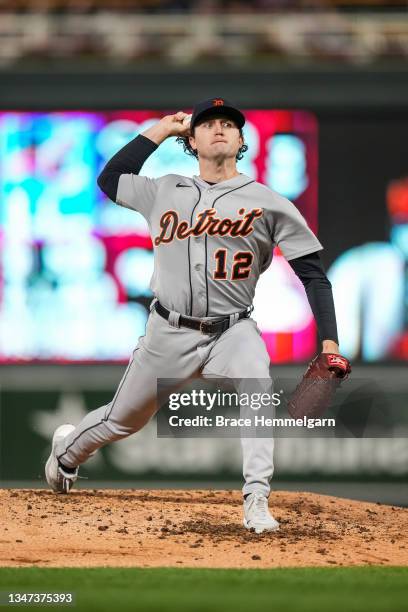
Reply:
x=211 y=243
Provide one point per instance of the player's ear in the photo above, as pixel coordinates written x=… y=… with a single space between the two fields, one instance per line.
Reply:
x=192 y=142
x=241 y=138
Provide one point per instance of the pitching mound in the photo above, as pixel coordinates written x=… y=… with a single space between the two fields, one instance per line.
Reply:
x=194 y=529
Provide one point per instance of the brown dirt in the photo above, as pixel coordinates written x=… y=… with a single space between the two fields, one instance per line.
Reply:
x=194 y=529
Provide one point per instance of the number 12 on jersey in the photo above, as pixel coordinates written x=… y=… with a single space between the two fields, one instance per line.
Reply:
x=241 y=266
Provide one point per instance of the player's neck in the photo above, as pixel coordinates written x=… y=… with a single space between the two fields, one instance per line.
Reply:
x=214 y=173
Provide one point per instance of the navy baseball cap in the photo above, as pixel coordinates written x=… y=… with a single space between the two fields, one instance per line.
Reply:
x=214 y=106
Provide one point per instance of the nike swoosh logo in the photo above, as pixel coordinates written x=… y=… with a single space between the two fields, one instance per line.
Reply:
x=182 y=185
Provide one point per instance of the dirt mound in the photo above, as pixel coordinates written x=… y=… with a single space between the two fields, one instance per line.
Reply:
x=194 y=529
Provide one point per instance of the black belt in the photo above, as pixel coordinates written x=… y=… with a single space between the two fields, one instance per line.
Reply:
x=205 y=327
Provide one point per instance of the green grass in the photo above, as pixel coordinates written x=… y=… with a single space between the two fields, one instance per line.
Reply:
x=348 y=589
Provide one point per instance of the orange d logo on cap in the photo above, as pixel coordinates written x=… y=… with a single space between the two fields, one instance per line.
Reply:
x=216 y=106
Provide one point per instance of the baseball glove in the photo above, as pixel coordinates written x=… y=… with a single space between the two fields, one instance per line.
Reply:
x=315 y=392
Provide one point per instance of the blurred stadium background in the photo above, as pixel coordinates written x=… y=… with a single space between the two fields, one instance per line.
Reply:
x=324 y=85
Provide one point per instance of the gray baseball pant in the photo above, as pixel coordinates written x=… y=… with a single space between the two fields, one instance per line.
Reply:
x=169 y=351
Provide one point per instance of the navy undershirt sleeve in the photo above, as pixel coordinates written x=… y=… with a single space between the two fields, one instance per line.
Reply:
x=129 y=160
x=318 y=289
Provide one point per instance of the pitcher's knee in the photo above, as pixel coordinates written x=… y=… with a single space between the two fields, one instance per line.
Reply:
x=128 y=411
x=250 y=368
x=119 y=430
x=127 y=420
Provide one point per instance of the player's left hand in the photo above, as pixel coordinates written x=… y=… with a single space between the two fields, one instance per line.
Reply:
x=330 y=346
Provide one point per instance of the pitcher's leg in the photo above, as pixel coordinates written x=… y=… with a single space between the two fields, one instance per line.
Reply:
x=240 y=353
x=164 y=352
x=130 y=409
x=257 y=451
x=257 y=459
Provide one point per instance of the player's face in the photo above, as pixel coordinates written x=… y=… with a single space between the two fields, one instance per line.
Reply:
x=216 y=138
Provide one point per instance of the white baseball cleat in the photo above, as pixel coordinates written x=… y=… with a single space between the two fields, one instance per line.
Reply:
x=59 y=480
x=257 y=515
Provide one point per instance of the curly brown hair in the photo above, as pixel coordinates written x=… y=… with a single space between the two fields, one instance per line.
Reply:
x=190 y=151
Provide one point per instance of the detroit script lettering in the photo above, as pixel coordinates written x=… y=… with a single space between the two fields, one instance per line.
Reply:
x=206 y=222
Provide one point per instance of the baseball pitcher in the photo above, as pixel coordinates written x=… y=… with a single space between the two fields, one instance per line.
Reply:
x=213 y=235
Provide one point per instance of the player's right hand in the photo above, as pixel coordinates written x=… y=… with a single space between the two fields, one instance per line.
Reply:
x=174 y=124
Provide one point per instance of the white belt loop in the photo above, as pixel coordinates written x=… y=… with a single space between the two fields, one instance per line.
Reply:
x=152 y=304
x=233 y=318
x=174 y=318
